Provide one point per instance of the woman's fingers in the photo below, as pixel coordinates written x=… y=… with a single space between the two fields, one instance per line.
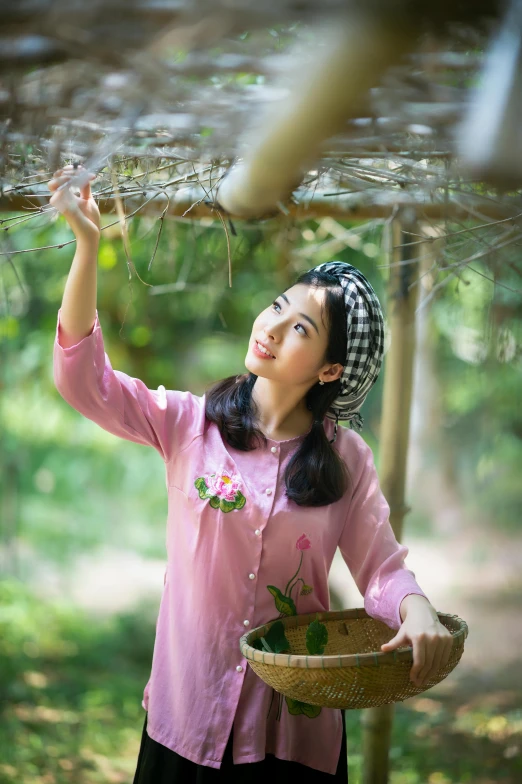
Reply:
x=75 y=170
x=85 y=191
x=82 y=180
x=64 y=201
x=57 y=181
x=68 y=168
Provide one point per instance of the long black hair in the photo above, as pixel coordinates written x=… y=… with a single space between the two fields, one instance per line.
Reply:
x=316 y=475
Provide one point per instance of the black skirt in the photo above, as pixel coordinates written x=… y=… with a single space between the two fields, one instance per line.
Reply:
x=159 y=765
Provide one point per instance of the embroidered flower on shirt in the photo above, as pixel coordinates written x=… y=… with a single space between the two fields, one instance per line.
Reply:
x=303 y=543
x=285 y=604
x=222 y=490
x=296 y=708
x=284 y=600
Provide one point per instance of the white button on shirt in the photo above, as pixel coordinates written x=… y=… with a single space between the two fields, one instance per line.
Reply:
x=273 y=449
x=257 y=532
x=239 y=668
x=268 y=491
x=251 y=577
x=246 y=623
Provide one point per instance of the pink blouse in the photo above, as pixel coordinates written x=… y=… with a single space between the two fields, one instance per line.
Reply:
x=234 y=543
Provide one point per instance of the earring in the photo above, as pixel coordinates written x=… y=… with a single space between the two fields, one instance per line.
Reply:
x=321 y=382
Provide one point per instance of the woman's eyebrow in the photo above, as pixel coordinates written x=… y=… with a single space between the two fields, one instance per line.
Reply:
x=312 y=322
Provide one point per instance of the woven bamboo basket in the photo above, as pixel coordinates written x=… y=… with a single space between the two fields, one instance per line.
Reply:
x=352 y=672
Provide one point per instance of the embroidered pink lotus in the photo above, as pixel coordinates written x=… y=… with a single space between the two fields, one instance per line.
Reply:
x=286 y=604
x=303 y=543
x=223 y=485
x=222 y=490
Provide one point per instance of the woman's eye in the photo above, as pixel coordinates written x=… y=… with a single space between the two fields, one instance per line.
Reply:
x=276 y=304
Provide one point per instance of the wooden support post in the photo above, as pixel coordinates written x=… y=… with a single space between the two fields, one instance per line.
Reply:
x=394 y=436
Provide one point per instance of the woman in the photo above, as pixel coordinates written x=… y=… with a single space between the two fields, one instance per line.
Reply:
x=262 y=489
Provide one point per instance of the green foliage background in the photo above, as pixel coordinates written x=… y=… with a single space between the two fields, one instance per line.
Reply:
x=75 y=486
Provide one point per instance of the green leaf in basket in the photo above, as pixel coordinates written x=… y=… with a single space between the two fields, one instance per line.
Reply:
x=297 y=708
x=274 y=641
x=276 y=638
x=316 y=638
x=285 y=604
x=266 y=646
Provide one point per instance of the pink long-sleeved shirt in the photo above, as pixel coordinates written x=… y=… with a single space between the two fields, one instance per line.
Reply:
x=234 y=540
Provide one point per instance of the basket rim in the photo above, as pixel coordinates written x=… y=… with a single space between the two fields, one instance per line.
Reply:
x=322 y=661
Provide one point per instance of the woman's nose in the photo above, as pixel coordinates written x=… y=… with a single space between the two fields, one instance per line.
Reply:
x=271 y=334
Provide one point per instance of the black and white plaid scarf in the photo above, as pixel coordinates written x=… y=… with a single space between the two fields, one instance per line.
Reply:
x=366 y=333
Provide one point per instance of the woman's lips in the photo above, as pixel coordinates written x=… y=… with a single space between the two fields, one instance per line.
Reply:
x=259 y=353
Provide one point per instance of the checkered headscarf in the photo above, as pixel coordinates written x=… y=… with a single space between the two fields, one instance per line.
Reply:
x=367 y=333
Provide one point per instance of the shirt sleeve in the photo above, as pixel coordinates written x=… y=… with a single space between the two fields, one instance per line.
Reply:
x=369 y=547
x=120 y=404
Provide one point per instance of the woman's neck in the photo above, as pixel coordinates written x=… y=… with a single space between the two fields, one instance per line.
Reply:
x=300 y=425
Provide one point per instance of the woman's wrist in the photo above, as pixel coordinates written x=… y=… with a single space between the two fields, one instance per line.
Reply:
x=415 y=603
x=88 y=239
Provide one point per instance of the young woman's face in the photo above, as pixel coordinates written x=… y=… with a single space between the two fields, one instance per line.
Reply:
x=292 y=330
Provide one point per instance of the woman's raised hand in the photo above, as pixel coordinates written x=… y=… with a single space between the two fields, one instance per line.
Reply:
x=81 y=212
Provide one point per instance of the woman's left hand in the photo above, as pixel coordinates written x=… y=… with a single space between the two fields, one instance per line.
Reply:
x=431 y=642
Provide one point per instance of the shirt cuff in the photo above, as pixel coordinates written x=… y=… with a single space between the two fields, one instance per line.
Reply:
x=95 y=326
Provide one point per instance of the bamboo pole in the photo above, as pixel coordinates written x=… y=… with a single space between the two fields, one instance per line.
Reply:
x=192 y=204
x=324 y=91
x=394 y=436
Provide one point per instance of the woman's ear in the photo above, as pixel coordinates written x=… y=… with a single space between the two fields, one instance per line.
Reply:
x=335 y=372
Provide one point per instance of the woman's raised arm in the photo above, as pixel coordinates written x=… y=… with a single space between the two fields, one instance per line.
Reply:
x=83 y=375
x=78 y=311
